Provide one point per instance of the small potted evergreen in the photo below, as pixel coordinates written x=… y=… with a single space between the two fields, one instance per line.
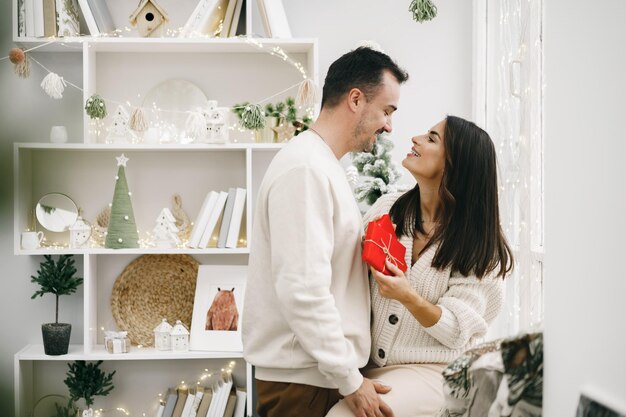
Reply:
x=58 y=278
x=86 y=380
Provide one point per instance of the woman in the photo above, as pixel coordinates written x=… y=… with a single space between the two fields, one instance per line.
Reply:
x=449 y=223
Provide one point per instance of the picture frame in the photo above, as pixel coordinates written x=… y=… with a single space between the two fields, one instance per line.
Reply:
x=217 y=308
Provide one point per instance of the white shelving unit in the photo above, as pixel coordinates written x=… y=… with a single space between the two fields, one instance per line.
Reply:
x=227 y=70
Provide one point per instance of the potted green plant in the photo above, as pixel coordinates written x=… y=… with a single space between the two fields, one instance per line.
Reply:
x=86 y=380
x=58 y=278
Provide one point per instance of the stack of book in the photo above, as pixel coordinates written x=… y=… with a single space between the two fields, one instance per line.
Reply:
x=215 y=18
x=220 y=400
x=46 y=18
x=218 y=223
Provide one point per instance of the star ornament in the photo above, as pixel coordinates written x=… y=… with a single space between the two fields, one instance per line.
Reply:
x=284 y=131
x=121 y=160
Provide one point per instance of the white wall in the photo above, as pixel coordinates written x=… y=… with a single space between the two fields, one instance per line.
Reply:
x=585 y=280
x=436 y=54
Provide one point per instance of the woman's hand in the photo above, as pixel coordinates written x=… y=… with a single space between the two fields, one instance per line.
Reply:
x=396 y=286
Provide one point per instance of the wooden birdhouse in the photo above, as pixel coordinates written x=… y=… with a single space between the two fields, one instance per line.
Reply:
x=149 y=18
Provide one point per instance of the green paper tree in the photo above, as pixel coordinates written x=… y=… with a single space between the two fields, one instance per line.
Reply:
x=86 y=380
x=122 y=231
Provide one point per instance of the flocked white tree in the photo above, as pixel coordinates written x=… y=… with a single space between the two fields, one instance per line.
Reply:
x=378 y=174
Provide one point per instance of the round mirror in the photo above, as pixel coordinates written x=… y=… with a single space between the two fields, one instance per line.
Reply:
x=56 y=212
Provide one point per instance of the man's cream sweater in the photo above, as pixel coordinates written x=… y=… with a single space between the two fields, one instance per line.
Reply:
x=468 y=305
x=307 y=305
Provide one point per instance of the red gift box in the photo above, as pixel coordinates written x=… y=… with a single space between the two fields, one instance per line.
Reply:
x=382 y=244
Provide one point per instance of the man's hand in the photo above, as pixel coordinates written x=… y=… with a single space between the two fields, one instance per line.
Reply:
x=365 y=402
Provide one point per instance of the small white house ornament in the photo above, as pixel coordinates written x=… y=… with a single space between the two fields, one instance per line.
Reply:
x=162 y=337
x=180 y=337
x=80 y=232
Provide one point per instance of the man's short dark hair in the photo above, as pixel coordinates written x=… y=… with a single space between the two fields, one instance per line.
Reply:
x=361 y=68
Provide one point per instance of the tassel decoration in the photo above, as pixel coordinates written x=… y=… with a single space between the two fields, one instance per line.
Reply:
x=423 y=10
x=95 y=107
x=252 y=117
x=307 y=94
x=53 y=85
x=196 y=124
x=21 y=61
x=137 y=121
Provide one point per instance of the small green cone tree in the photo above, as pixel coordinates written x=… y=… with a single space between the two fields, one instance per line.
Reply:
x=122 y=231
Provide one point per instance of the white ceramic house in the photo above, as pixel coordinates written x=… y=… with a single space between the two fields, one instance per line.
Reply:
x=80 y=232
x=180 y=337
x=149 y=18
x=162 y=337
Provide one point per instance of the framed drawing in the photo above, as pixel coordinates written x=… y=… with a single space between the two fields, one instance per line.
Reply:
x=217 y=308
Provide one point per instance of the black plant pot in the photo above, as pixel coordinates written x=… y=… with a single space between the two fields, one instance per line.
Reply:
x=56 y=338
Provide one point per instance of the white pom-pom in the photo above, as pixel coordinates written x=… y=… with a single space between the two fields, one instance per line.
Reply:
x=137 y=120
x=196 y=124
x=53 y=85
x=307 y=94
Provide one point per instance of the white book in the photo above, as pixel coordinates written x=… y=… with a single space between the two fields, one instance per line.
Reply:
x=240 y=405
x=160 y=410
x=228 y=214
x=211 y=22
x=217 y=388
x=264 y=19
x=88 y=16
x=202 y=218
x=218 y=208
x=188 y=404
x=236 y=18
x=222 y=399
x=197 y=17
x=38 y=16
x=102 y=16
x=228 y=18
x=237 y=218
x=196 y=402
x=29 y=17
x=277 y=19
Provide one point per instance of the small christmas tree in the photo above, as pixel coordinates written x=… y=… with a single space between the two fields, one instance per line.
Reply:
x=122 y=230
x=56 y=278
x=165 y=232
x=119 y=131
x=380 y=172
x=87 y=380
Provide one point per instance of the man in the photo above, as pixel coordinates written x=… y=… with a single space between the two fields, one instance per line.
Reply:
x=307 y=308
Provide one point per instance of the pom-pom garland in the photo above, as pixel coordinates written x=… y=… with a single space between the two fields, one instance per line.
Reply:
x=253 y=117
x=423 y=10
x=95 y=107
x=53 y=85
x=307 y=94
x=16 y=55
x=196 y=124
x=137 y=121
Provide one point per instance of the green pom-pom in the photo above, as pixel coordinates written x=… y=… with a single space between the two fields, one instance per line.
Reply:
x=95 y=107
x=253 y=117
x=423 y=10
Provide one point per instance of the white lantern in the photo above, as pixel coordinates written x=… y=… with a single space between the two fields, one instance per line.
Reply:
x=80 y=232
x=180 y=337
x=162 y=336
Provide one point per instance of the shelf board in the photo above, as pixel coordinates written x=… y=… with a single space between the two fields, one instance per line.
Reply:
x=135 y=251
x=167 y=45
x=143 y=147
x=76 y=352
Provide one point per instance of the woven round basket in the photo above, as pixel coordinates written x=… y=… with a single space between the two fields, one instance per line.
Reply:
x=151 y=288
